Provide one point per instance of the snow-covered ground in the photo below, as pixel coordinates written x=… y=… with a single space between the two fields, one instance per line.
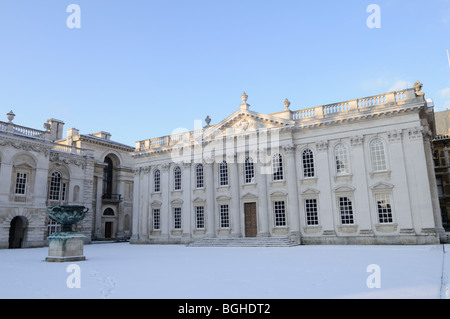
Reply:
x=121 y=270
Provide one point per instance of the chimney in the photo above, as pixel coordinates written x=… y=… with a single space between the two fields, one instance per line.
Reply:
x=55 y=127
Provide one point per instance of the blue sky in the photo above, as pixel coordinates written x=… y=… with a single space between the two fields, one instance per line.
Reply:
x=140 y=69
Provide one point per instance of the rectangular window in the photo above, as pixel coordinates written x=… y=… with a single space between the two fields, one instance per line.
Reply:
x=384 y=208
x=440 y=187
x=200 y=217
x=157 y=182
x=280 y=213
x=199 y=173
x=177 y=218
x=156 y=219
x=312 y=217
x=346 y=210
x=223 y=174
x=224 y=216
x=21 y=184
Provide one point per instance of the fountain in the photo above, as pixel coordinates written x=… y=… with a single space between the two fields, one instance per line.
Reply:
x=66 y=245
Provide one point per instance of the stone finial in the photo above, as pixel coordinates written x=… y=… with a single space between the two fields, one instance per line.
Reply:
x=244 y=97
x=286 y=104
x=10 y=116
x=207 y=120
x=417 y=88
x=244 y=105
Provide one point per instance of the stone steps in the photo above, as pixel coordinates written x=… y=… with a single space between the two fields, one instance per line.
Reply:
x=244 y=242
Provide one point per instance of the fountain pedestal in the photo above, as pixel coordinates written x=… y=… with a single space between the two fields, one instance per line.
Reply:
x=66 y=245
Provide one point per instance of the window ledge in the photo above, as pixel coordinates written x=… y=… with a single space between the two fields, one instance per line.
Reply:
x=380 y=174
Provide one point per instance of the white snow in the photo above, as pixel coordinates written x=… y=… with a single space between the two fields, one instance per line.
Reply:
x=121 y=270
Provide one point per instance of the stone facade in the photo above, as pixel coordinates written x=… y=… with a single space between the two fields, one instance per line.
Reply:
x=39 y=169
x=356 y=172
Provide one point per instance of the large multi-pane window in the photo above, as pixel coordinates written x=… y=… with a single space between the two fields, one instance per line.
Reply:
x=223 y=174
x=177 y=217
x=280 y=213
x=308 y=163
x=177 y=178
x=21 y=184
x=312 y=216
x=57 y=189
x=157 y=181
x=224 y=216
x=200 y=217
x=199 y=176
x=249 y=171
x=346 y=210
x=156 y=219
x=384 y=208
x=378 y=155
x=277 y=167
x=341 y=157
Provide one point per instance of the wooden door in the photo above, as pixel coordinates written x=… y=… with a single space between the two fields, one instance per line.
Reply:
x=108 y=229
x=251 y=228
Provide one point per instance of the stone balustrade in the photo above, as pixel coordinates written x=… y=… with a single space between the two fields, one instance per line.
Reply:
x=368 y=104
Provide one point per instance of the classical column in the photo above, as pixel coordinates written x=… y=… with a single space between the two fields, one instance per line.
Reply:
x=326 y=197
x=290 y=175
x=235 y=200
x=143 y=219
x=166 y=210
x=187 y=205
x=263 y=212
x=210 y=202
x=136 y=205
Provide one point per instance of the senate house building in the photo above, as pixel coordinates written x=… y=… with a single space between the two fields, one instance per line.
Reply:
x=361 y=171
x=354 y=172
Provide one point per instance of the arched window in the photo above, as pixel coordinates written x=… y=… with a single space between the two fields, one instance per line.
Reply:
x=223 y=174
x=308 y=163
x=177 y=178
x=377 y=155
x=341 y=157
x=57 y=189
x=249 y=171
x=277 y=167
x=108 y=212
x=199 y=176
x=157 y=181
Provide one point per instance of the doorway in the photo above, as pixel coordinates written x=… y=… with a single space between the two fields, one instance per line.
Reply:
x=108 y=229
x=251 y=228
x=17 y=232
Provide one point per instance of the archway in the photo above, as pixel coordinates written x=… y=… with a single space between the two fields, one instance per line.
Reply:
x=17 y=232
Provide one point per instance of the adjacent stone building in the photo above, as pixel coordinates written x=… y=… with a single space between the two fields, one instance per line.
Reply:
x=354 y=172
x=39 y=169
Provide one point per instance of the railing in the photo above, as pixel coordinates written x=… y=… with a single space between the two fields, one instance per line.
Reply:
x=314 y=113
x=112 y=197
x=21 y=130
x=72 y=149
x=323 y=111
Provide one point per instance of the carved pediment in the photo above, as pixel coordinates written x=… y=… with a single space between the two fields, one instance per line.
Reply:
x=245 y=122
x=344 y=189
x=311 y=191
x=381 y=186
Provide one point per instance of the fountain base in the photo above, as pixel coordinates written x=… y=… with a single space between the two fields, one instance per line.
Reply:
x=66 y=247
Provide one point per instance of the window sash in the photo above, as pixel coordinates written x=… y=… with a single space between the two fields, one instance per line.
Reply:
x=199 y=176
x=308 y=164
x=177 y=178
x=223 y=174
x=156 y=219
x=346 y=210
x=21 y=184
x=312 y=216
x=277 y=167
x=157 y=181
x=200 y=217
x=384 y=208
x=224 y=216
x=279 y=209
x=378 y=155
x=177 y=218
x=249 y=171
